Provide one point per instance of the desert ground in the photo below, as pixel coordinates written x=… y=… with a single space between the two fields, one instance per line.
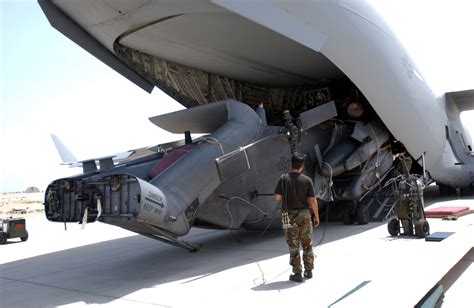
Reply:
x=12 y=204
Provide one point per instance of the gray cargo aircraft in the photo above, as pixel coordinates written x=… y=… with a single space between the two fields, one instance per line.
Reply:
x=260 y=79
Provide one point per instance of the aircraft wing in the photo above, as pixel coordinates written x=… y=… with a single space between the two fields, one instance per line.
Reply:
x=198 y=120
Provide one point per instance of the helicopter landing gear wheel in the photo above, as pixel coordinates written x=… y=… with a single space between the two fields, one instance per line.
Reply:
x=363 y=217
x=393 y=227
x=422 y=228
x=348 y=216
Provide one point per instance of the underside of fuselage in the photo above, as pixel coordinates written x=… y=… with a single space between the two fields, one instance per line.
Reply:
x=198 y=52
x=200 y=58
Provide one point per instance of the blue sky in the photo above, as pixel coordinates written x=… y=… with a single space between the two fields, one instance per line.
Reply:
x=50 y=85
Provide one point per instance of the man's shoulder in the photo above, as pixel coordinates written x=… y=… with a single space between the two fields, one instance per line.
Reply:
x=305 y=177
x=299 y=177
x=284 y=178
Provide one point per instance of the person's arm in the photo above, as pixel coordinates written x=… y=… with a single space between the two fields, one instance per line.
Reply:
x=314 y=206
x=278 y=191
x=313 y=203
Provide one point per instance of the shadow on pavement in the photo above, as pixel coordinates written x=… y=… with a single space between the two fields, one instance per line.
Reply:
x=276 y=286
x=103 y=272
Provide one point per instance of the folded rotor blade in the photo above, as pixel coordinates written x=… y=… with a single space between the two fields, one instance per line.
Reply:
x=318 y=115
x=243 y=159
x=319 y=157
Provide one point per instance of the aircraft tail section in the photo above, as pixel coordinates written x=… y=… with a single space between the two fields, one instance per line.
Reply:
x=66 y=155
x=160 y=198
x=90 y=164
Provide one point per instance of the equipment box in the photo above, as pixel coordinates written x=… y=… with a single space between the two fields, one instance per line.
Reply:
x=12 y=228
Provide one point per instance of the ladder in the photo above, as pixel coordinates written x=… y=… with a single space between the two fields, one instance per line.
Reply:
x=380 y=204
x=379 y=200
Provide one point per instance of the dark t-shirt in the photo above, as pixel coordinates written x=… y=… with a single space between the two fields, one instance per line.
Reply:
x=295 y=189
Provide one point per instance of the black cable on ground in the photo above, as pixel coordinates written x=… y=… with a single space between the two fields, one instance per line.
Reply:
x=269 y=223
x=251 y=222
x=315 y=247
x=259 y=236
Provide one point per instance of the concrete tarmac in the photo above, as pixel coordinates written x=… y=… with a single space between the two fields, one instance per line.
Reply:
x=356 y=266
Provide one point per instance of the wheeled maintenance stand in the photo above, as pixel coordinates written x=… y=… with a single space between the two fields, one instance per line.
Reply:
x=409 y=207
x=12 y=228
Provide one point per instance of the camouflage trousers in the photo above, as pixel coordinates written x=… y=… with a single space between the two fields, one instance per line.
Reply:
x=301 y=234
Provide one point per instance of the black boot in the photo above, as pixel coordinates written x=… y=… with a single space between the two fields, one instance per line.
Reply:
x=308 y=274
x=296 y=277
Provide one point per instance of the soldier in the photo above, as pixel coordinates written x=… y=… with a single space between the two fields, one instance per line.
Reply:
x=297 y=192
